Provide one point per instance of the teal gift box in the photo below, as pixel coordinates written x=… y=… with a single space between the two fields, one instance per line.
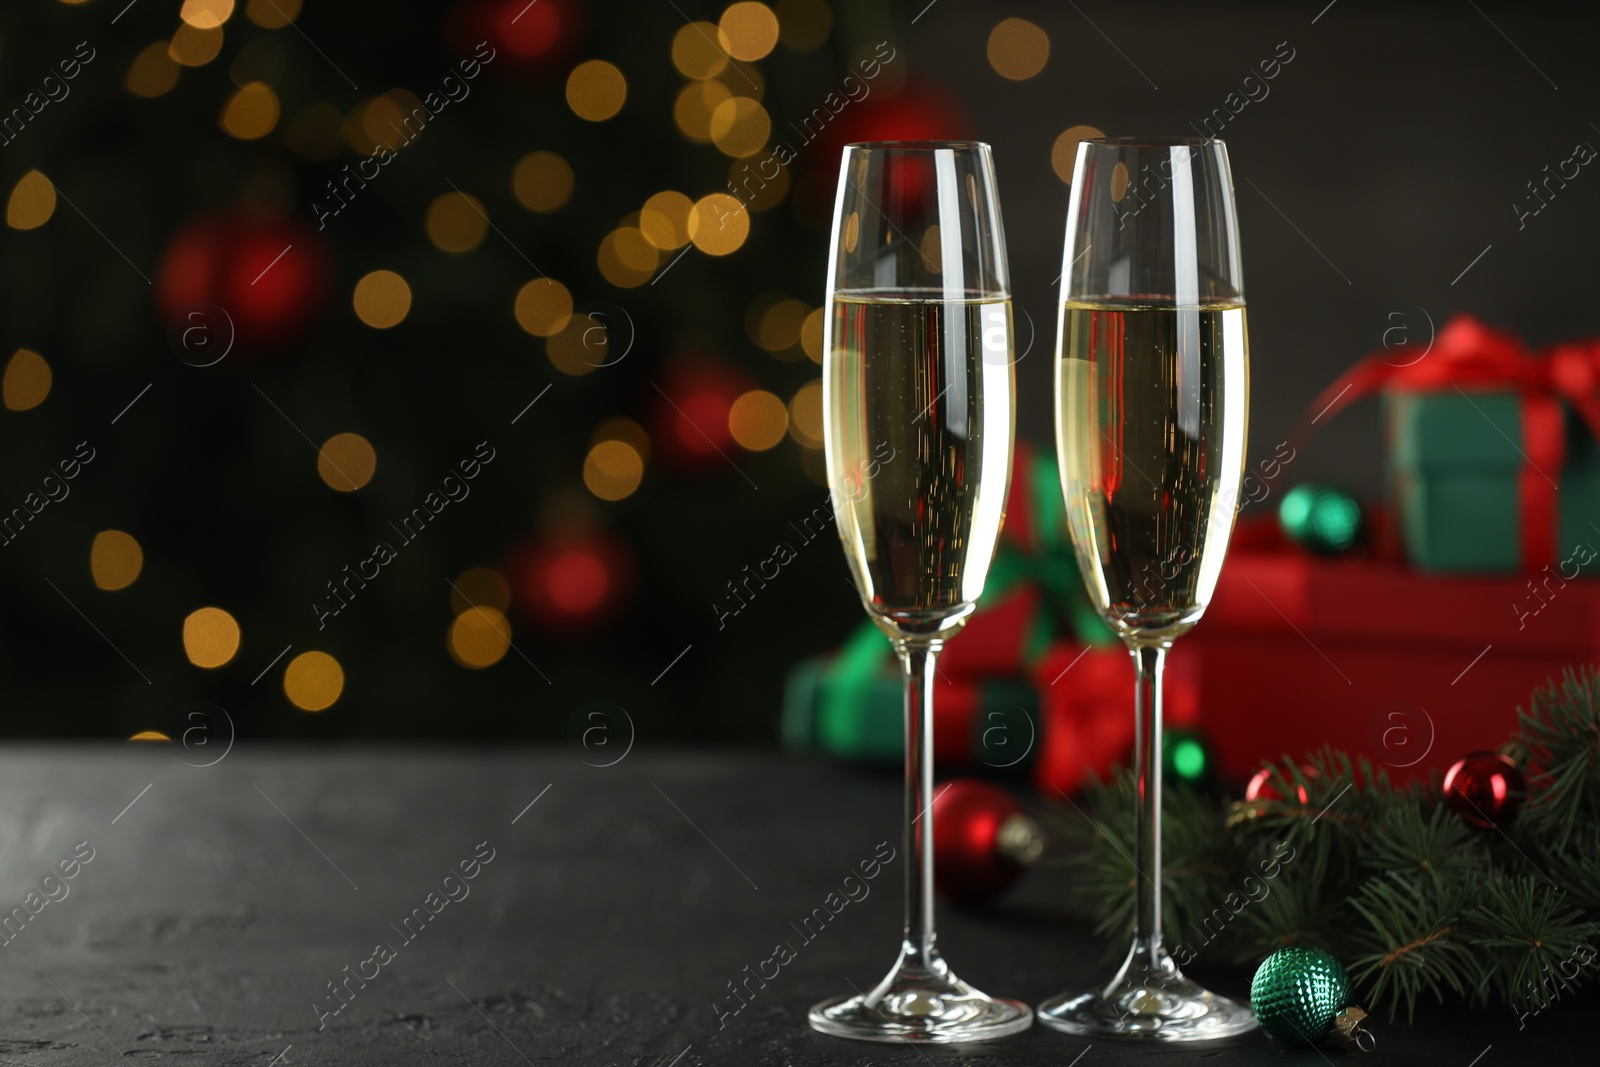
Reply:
x=1491 y=463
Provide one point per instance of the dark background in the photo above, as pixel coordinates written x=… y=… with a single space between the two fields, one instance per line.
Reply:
x=1387 y=156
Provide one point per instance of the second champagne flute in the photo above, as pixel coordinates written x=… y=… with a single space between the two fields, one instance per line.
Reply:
x=918 y=398
x=1152 y=392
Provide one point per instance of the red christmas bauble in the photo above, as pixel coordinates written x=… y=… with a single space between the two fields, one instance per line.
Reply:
x=1485 y=788
x=271 y=278
x=982 y=841
x=1260 y=786
x=570 y=583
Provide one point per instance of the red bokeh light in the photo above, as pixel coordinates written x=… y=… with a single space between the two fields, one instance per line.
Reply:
x=272 y=278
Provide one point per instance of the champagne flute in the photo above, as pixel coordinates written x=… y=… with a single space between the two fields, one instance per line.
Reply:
x=1152 y=392
x=918 y=395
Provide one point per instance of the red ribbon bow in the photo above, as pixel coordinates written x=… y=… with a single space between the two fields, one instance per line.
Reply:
x=1470 y=357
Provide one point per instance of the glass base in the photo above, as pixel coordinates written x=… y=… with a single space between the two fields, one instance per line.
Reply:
x=921 y=1002
x=1152 y=1007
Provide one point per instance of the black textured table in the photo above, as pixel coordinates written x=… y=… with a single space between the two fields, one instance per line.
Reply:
x=211 y=912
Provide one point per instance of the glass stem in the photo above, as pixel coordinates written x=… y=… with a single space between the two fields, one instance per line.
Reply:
x=1148 y=951
x=918 y=658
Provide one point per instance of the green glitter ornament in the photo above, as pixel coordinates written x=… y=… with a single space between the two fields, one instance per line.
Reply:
x=1299 y=995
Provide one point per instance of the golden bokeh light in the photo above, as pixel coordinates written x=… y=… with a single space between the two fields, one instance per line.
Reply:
x=803 y=25
x=149 y=735
x=194 y=47
x=115 y=560
x=622 y=428
x=613 y=470
x=596 y=90
x=635 y=250
x=1120 y=179
x=758 y=420
x=272 y=14
x=251 y=113
x=542 y=181
x=740 y=127
x=779 y=325
x=695 y=105
x=749 y=181
x=805 y=415
x=479 y=637
x=815 y=463
x=456 y=222
x=743 y=79
x=579 y=347
x=153 y=71
x=626 y=259
x=544 y=307
x=811 y=335
x=665 y=220
x=390 y=121
x=382 y=299
x=748 y=30
x=346 y=462
x=1018 y=49
x=27 y=380
x=1064 y=154
x=33 y=201
x=210 y=637
x=695 y=51
x=718 y=224
x=313 y=681
x=932 y=249
x=479 y=587
x=206 y=14
x=314 y=133
x=353 y=129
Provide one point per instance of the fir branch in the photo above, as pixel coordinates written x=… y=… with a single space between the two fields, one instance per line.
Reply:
x=1575 y=867
x=1304 y=905
x=1412 y=942
x=1387 y=878
x=1405 y=841
x=1199 y=861
x=1560 y=730
x=1538 y=944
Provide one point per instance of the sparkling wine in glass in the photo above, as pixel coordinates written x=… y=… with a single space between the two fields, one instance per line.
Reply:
x=1152 y=393
x=918 y=396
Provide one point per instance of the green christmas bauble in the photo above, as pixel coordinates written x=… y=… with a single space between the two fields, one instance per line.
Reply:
x=1297 y=992
x=1322 y=519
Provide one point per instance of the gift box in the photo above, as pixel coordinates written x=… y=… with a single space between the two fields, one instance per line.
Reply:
x=831 y=706
x=986 y=703
x=1460 y=468
x=1366 y=654
x=1491 y=462
x=1086 y=699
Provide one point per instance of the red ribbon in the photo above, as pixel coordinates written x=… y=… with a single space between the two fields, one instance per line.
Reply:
x=1468 y=356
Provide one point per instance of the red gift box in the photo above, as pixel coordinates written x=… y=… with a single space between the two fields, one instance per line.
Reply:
x=1086 y=711
x=1412 y=671
x=994 y=640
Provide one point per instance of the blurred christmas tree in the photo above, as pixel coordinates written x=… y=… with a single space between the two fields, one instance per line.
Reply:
x=439 y=367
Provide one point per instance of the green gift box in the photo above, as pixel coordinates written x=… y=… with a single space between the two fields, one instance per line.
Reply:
x=1486 y=481
x=1491 y=462
x=852 y=704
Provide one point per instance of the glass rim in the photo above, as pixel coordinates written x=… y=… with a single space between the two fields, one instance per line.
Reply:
x=918 y=145
x=1154 y=142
